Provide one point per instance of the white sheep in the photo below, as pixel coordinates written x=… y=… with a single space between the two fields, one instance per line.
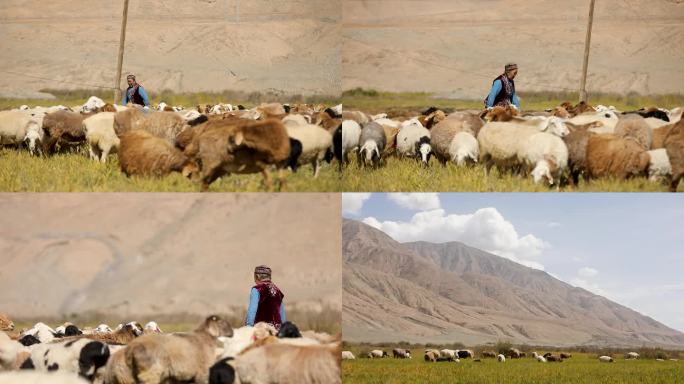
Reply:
x=463 y=148
x=541 y=359
x=100 y=135
x=17 y=127
x=659 y=165
x=152 y=326
x=605 y=359
x=93 y=104
x=11 y=353
x=348 y=355
x=414 y=140
x=535 y=143
x=501 y=358
x=351 y=132
x=42 y=332
x=377 y=353
x=632 y=356
x=608 y=118
x=448 y=354
x=315 y=140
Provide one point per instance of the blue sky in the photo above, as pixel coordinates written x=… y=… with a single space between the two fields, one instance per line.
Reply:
x=627 y=247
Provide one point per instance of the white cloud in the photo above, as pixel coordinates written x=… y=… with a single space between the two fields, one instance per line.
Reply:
x=415 y=201
x=485 y=229
x=553 y=224
x=353 y=202
x=587 y=272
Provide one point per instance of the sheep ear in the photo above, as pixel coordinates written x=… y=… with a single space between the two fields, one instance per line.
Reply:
x=238 y=138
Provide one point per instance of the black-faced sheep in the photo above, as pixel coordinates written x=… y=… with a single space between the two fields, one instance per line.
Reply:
x=179 y=357
x=226 y=147
x=142 y=153
x=372 y=144
x=609 y=155
x=674 y=145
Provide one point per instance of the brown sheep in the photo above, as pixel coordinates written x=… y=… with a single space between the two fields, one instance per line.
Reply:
x=472 y=121
x=659 y=135
x=489 y=354
x=284 y=364
x=610 y=155
x=576 y=141
x=6 y=325
x=635 y=127
x=226 y=147
x=431 y=355
x=326 y=121
x=162 y=124
x=63 y=127
x=560 y=112
x=204 y=108
x=552 y=358
x=176 y=357
x=141 y=153
x=391 y=135
x=107 y=108
x=674 y=145
x=434 y=117
x=500 y=113
x=565 y=355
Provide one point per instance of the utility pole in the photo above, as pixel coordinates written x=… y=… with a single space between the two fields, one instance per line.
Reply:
x=119 y=63
x=585 y=64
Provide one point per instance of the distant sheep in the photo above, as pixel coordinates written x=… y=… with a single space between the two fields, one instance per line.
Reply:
x=6 y=324
x=631 y=356
x=377 y=353
x=347 y=355
x=609 y=155
x=489 y=354
x=501 y=358
x=565 y=355
x=465 y=354
x=552 y=358
x=541 y=359
x=142 y=153
x=432 y=355
x=400 y=353
x=605 y=359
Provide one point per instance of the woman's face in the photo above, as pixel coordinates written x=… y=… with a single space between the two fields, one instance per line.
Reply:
x=511 y=74
x=130 y=81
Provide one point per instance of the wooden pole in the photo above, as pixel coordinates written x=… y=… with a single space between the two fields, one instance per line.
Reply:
x=119 y=63
x=585 y=64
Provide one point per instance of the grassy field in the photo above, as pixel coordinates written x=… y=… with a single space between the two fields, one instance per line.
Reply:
x=372 y=101
x=405 y=175
x=581 y=368
x=75 y=172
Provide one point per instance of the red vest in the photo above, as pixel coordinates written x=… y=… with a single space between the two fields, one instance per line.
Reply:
x=270 y=300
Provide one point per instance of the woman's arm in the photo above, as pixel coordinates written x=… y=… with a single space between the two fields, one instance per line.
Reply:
x=253 y=306
x=496 y=88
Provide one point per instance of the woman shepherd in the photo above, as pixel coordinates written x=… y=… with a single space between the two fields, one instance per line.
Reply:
x=265 y=300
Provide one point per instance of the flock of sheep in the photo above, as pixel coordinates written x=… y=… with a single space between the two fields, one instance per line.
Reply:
x=455 y=355
x=213 y=353
x=556 y=146
x=203 y=143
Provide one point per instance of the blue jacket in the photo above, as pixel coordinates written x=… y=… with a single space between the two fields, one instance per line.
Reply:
x=254 y=305
x=141 y=92
x=496 y=88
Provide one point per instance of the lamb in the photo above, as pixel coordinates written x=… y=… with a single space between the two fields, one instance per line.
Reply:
x=162 y=124
x=609 y=155
x=81 y=356
x=142 y=153
x=454 y=140
x=249 y=147
x=605 y=359
x=351 y=133
x=659 y=166
x=5 y=323
x=17 y=127
x=674 y=145
x=100 y=135
x=157 y=358
x=281 y=363
x=400 y=353
x=501 y=358
x=373 y=142
x=634 y=126
x=414 y=140
x=347 y=355
x=377 y=353
x=315 y=142
x=541 y=359
x=27 y=377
